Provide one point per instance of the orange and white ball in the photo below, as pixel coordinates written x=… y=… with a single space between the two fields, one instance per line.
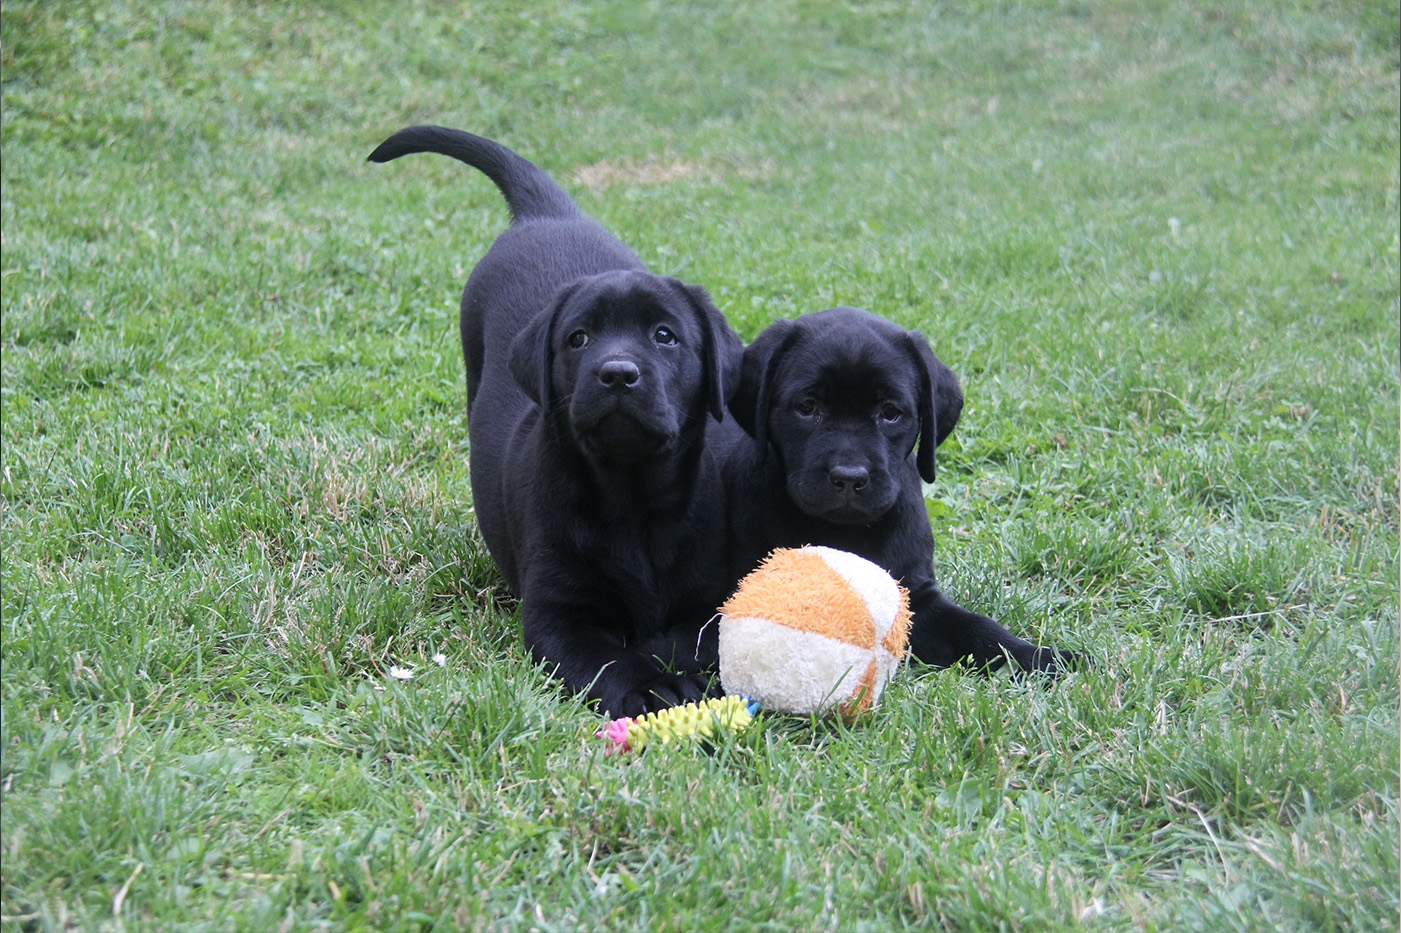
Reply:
x=814 y=629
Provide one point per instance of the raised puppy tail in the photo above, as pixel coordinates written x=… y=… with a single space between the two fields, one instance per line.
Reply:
x=529 y=192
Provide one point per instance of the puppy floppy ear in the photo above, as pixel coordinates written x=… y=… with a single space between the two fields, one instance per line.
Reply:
x=940 y=401
x=751 y=399
x=720 y=352
x=532 y=358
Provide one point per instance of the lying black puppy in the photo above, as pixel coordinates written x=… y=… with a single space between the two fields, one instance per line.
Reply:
x=835 y=402
x=592 y=384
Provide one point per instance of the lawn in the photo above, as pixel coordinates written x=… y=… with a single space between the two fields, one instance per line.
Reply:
x=1158 y=242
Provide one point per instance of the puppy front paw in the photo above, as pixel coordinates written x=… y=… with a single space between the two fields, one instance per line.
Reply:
x=1054 y=662
x=658 y=692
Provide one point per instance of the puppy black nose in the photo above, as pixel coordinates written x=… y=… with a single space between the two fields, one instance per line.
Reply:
x=619 y=375
x=849 y=478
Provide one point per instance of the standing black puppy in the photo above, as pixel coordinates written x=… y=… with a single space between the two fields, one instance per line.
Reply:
x=835 y=402
x=591 y=386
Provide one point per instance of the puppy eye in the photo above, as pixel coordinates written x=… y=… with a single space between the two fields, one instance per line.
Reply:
x=577 y=340
x=890 y=413
x=806 y=408
x=665 y=337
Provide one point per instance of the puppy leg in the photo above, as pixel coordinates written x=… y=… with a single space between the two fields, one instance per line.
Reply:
x=590 y=658
x=688 y=653
x=686 y=649
x=944 y=633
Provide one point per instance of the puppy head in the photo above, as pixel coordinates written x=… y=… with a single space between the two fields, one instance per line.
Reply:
x=841 y=397
x=627 y=362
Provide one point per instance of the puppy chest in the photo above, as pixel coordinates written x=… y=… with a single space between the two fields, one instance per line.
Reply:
x=657 y=583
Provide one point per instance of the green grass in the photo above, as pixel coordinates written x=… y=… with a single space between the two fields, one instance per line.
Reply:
x=1158 y=241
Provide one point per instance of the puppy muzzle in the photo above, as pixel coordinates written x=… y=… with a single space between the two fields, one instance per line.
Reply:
x=844 y=494
x=621 y=425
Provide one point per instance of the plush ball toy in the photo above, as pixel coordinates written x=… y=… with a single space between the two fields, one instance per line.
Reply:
x=814 y=629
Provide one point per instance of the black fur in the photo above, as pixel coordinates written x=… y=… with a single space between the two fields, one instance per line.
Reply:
x=846 y=410
x=592 y=387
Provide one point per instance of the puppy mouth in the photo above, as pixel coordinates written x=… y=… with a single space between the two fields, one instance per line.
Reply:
x=621 y=436
x=847 y=514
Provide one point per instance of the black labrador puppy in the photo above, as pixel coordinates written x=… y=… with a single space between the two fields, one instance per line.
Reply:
x=592 y=385
x=835 y=402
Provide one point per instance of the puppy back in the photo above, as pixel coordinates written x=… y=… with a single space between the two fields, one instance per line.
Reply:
x=529 y=191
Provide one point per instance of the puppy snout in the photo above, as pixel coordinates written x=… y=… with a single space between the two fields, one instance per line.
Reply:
x=619 y=375
x=849 y=478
